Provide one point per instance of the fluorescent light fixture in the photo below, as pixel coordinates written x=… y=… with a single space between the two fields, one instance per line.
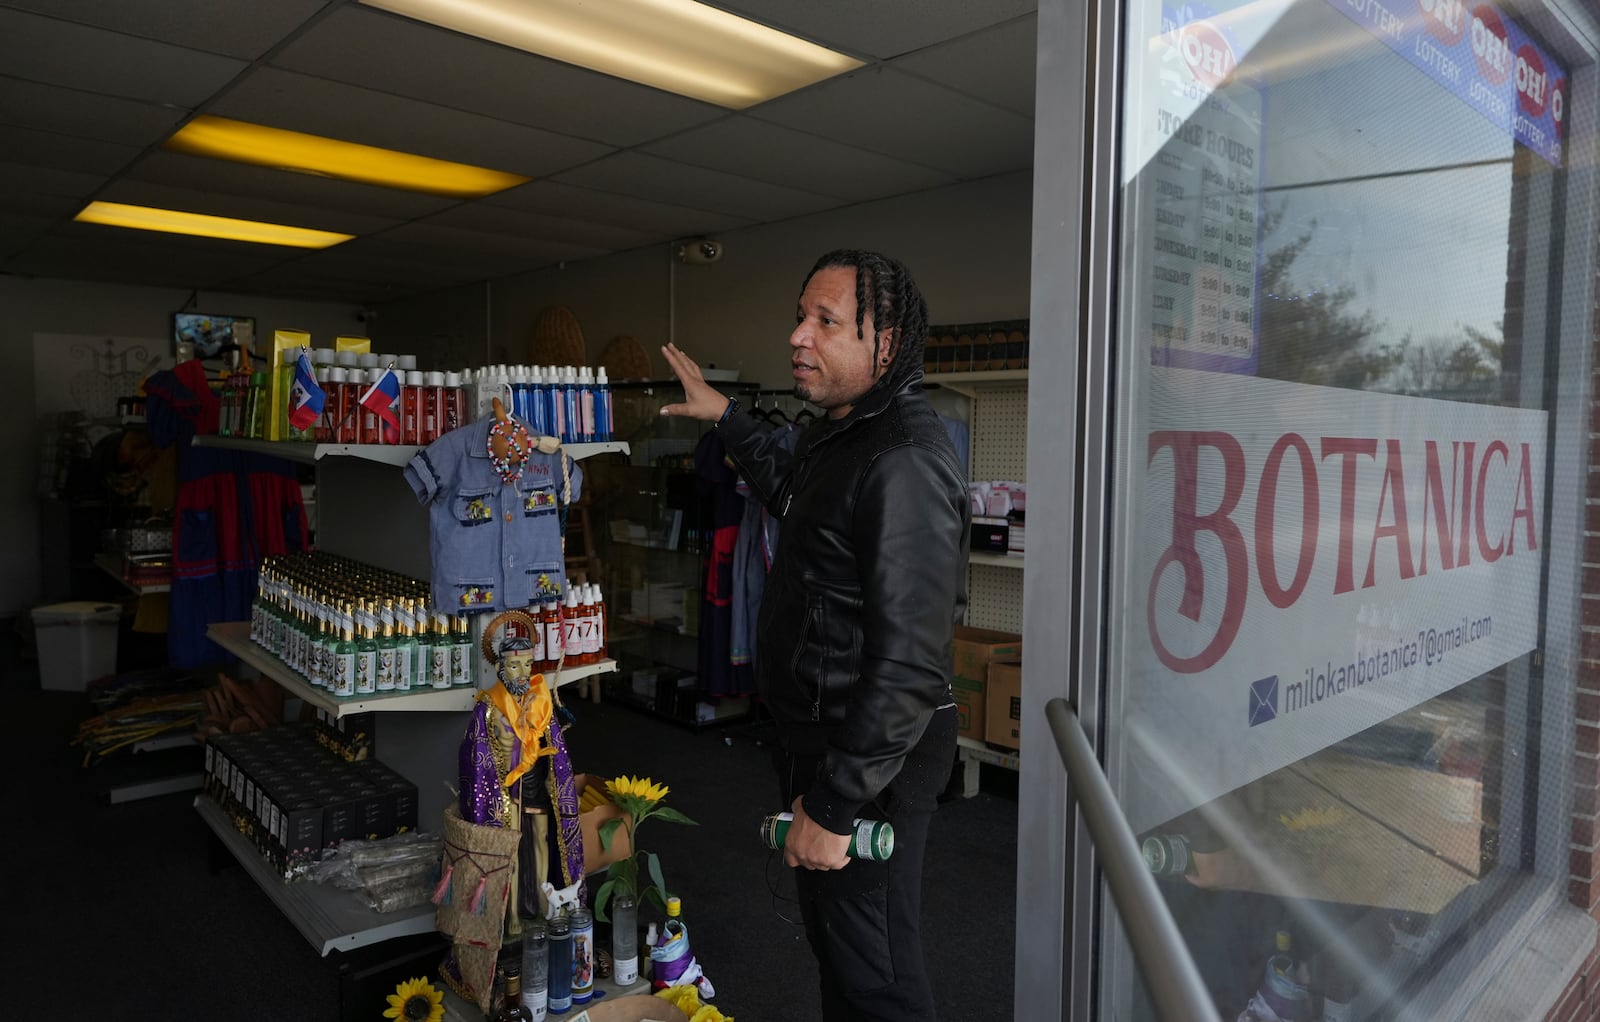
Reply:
x=243 y=142
x=172 y=221
x=677 y=45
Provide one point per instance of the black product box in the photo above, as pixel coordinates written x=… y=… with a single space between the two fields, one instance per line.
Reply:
x=300 y=837
x=990 y=535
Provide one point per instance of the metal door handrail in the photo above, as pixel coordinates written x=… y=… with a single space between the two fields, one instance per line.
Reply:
x=1169 y=971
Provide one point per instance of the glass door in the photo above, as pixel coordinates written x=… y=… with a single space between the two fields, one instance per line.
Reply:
x=1343 y=261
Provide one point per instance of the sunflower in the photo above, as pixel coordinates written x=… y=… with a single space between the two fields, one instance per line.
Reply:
x=642 y=788
x=415 y=1000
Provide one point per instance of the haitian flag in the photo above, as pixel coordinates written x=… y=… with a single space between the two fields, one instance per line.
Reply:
x=383 y=399
x=305 y=396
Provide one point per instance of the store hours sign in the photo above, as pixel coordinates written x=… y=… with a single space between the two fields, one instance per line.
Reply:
x=1307 y=562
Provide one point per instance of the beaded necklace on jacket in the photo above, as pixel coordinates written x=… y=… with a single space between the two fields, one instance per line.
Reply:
x=518 y=443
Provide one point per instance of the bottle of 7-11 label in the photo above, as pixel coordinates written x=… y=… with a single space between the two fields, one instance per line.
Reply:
x=869 y=839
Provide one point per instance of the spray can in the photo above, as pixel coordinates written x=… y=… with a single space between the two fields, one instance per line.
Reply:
x=869 y=839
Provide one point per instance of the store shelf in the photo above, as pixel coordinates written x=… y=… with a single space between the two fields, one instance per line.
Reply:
x=996 y=560
x=973 y=754
x=967 y=383
x=112 y=564
x=388 y=454
x=330 y=918
x=234 y=636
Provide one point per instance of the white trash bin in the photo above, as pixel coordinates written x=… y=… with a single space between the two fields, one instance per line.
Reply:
x=77 y=643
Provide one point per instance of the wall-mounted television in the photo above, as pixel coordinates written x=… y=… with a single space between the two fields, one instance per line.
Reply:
x=211 y=333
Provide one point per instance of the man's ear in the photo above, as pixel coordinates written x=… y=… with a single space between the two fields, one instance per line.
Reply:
x=888 y=344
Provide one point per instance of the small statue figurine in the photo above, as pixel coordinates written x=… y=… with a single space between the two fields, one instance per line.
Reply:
x=514 y=737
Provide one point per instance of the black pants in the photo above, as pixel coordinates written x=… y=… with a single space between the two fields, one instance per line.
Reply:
x=864 y=922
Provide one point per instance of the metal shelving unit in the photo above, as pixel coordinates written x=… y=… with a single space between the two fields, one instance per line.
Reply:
x=234 y=636
x=366 y=512
x=112 y=565
x=329 y=918
x=998 y=402
x=386 y=454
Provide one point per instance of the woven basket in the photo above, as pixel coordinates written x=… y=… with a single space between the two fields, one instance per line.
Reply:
x=626 y=359
x=557 y=339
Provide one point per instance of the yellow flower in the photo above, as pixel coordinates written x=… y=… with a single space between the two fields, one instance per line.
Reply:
x=640 y=787
x=685 y=998
x=415 y=1000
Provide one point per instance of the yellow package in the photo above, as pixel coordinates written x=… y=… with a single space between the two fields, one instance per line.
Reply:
x=286 y=345
x=359 y=345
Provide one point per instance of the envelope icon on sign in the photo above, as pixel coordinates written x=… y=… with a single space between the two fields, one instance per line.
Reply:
x=1263 y=700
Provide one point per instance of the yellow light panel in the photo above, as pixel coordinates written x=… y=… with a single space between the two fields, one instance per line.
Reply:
x=243 y=142
x=172 y=221
x=677 y=45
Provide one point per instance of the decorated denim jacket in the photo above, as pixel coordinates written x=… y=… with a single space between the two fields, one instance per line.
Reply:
x=495 y=545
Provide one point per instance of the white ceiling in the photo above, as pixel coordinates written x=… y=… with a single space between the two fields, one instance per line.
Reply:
x=90 y=89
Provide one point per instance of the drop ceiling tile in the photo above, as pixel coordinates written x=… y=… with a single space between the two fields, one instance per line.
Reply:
x=142 y=193
x=450 y=239
x=237 y=28
x=500 y=220
x=20 y=177
x=884 y=29
x=196 y=172
x=284 y=99
x=83 y=251
x=661 y=180
x=996 y=65
x=898 y=115
x=95 y=60
x=770 y=152
x=54 y=208
x=382 y=51
x=63 y=152
x=84 y=114
x=660 y=219
x=18 y=230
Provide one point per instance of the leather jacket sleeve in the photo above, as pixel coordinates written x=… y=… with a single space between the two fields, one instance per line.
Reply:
x=910 y=534
x=763 y=462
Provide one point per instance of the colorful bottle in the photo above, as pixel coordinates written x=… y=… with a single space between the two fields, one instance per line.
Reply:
x=344 y=655
x=512 y=1010
x=569 y=627
x=582 y=955
x=550 y=618
x=387 y=644
x=439 y=657
x=624 y=940
x=602 y=406
x=461 y=658
x=535 y=969
x=405 y=651
x=869 y=839
x=560 y=940
x=367 y=651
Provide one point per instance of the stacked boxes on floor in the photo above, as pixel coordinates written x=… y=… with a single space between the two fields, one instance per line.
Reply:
x=294 y=797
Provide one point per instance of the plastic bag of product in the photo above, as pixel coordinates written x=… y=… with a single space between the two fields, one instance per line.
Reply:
x=347 y=866
x=393 y=896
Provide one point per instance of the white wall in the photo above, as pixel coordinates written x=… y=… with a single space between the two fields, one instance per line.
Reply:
x=968 y=246
x=30 y=307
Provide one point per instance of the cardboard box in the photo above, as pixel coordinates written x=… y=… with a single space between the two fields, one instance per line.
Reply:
x=973 y=650
x=594 y=859
x=1003 y=717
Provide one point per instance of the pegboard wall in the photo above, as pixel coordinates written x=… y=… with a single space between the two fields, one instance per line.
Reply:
x=999 y=439
x=1000 y=431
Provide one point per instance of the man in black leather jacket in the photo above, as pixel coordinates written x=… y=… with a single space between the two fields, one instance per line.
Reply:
x=853 y=639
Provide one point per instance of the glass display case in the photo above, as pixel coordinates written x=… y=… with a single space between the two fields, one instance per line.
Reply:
x=654 y=528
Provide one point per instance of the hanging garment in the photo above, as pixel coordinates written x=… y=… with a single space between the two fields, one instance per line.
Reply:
x=719 y=487
x=495 y=545
x=752 y=559
x=233 y=509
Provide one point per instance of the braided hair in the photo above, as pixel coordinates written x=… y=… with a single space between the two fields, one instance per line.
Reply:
x=885 y=286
